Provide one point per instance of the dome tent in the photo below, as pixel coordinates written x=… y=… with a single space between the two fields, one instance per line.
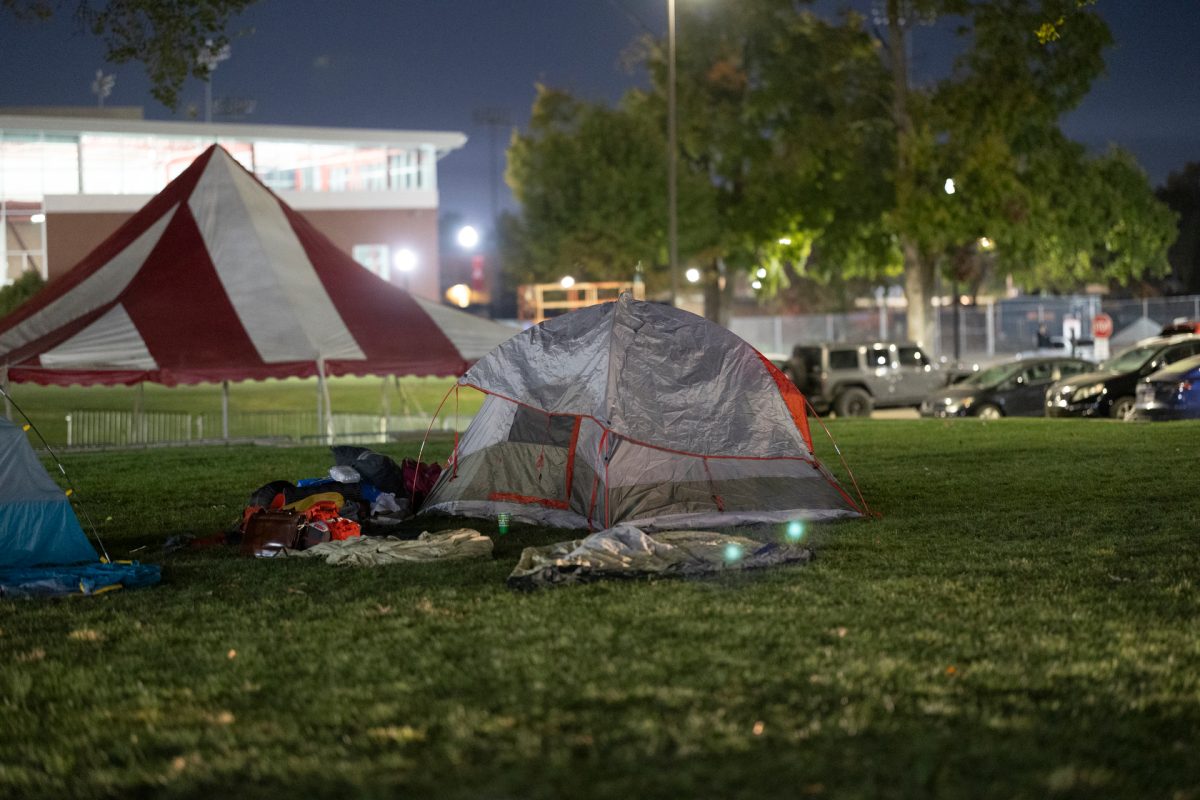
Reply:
x=37 y=525
x=639 y=413
x=43 y=551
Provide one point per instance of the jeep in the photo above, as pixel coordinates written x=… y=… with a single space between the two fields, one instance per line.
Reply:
x=853 y=379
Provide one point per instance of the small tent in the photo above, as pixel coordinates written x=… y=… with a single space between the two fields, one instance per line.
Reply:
x=640 y=413
x=38 y=527
x=43 y=551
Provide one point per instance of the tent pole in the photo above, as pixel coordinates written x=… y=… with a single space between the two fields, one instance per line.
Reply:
x=323 y=387
x=224 y=409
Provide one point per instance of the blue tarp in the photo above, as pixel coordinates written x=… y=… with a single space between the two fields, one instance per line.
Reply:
x=81 y=579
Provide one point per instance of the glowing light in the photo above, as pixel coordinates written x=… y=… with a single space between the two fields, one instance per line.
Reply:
x=756 y=285
x=468 y=237
x=405 y=260
x=567 y=282
x=459 y=294
x=762 y=272
x=38 y=219
x=733 y=552
x=785 y=241
x=985 y=243
x=795 y=531
x=692 y=275
x=949 y=186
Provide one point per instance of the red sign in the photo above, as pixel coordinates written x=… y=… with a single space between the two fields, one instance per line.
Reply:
x=477 y=279
x=1101 y=326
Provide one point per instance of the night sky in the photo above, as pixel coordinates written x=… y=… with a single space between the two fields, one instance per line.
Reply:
x=435 y=64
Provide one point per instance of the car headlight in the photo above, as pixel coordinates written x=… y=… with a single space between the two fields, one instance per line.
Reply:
x=953 y=405
x=1086 y=392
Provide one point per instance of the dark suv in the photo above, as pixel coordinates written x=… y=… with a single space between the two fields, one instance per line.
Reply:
x=853 y=379
x=1111 y=390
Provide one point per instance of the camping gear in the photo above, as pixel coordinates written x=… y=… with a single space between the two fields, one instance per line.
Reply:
x=455 y=545
x=636 y=412
x=503 y=520
x=267 y=533
x=217 y=279
x=628 y=552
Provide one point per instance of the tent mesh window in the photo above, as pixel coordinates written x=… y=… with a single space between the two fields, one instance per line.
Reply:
x=532 y=426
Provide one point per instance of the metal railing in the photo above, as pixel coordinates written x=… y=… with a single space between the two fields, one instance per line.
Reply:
x=993 y=329
x=86 y=428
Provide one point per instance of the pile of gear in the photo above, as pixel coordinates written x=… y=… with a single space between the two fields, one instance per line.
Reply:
x=365 y=493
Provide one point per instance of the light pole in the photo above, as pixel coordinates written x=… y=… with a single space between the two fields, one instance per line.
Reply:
x=672 y=135
x=209 y=59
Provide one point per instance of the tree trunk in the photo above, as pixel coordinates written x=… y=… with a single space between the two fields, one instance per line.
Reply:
x=918 y=271
x=918 y=288
x=718 y=294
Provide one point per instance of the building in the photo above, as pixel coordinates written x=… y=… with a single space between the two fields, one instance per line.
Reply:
x=67 y=181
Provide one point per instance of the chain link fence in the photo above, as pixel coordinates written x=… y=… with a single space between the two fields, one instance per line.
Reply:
x=990 y=330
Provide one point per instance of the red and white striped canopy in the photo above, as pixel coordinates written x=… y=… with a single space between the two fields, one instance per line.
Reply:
x=218 y=279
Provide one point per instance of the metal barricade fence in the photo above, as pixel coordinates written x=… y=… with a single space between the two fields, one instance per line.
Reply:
x=86 y=428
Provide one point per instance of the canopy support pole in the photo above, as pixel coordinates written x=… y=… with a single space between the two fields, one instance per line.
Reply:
x=385 y=409
x=225 y=410
x=4 y=388
x=325 y=418
x=138 y=434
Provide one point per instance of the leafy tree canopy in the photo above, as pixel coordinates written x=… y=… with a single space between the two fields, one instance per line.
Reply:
x=169 y=37
x=20 y=290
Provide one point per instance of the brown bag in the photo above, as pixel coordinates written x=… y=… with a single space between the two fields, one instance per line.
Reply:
x=268 y=532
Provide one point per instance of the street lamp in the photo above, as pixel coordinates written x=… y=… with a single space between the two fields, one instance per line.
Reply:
x=692 y=275
x=672 y=136
x=468 y=237
x=567 y=282
x=405 y=260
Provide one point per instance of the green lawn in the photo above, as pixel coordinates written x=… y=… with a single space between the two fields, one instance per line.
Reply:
x=1023 y=622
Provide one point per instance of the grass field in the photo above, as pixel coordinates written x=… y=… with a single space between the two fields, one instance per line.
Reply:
x=1023 y=622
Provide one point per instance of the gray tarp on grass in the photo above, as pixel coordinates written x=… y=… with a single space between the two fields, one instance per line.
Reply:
x=373 y=551
x=625 y=551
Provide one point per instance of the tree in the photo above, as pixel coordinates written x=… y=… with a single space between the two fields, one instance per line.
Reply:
x=168 y=37
x=16 y=293
x=1182 y=194
x=1056 y=217
x=819 y=158
x=590 y=181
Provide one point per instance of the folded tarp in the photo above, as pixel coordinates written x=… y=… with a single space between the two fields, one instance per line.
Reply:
x=372 y=551
x=626 y=551
x=81 y=579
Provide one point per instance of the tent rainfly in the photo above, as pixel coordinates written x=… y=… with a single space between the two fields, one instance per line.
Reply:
x=633 y=412
x=38 y=527
x=217 y=279
x=43 y=551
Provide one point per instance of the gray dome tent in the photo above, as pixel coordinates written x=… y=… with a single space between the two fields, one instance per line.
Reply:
x=641 y=413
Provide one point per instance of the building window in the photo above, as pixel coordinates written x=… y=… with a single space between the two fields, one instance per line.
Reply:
x=375 y=257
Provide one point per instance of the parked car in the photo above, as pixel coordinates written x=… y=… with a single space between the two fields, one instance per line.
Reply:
x=1170 y=393
x=1110 y=390
x=852 y=379
x=1012 y=389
